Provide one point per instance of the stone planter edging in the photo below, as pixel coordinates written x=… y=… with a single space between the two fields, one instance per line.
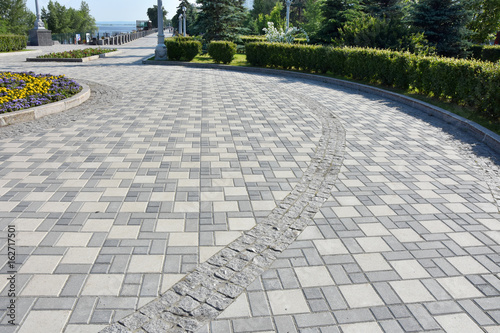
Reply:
x=45 y=110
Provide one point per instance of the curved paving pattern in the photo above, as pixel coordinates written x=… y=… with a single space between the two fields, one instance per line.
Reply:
x=114 y=208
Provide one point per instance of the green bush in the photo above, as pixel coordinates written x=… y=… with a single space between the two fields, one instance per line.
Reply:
x=252 y=39
x=222 y=51
x=182 y=48
x=10 y=43
x=467 y=82
x=256 y=39
x=486 y=52
x=491 y=53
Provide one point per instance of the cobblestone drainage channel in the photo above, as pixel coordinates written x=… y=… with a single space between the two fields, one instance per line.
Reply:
x=204 y=293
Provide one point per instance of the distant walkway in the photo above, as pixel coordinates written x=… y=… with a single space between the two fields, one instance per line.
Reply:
x=365 y=215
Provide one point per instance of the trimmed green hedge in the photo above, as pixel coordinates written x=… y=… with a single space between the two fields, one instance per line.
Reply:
x=486 y=52
x=252 y=39
x=10 y=43
x=468 y=82
x=262 y=38
x=222 y=51
x=182 y=48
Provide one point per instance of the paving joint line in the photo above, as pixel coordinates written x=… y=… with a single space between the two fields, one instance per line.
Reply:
x=208 y=290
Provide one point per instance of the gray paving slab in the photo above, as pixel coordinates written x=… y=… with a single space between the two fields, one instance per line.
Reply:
x=184 y=199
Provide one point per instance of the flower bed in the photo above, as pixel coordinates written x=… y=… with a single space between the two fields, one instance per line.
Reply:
x=76 y=54
x=25 y=90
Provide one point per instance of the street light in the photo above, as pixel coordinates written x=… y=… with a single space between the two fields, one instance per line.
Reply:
x=161 y=49
x=184 y=19
x=288 y=3
x=180 y=24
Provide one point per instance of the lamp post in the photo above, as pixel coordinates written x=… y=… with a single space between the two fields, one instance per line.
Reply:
x=161 y=49
x=184 y=19
x=180 y=24
x=288 y=3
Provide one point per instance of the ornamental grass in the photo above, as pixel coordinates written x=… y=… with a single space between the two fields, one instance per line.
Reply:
x=25 y=90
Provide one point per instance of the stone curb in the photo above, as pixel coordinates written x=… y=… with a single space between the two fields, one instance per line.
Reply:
x=86 y=59
x=45 y=110
x=477 y=131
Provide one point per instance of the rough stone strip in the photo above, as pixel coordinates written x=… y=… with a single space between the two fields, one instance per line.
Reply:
x=207 y=291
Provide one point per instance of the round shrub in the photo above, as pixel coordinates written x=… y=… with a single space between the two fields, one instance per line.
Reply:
x=182 y=49
x=222 y=51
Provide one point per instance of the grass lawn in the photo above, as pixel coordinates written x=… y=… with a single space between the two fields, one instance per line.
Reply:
x=239 y=60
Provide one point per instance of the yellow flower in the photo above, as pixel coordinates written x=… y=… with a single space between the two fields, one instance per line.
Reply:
x=33 y=85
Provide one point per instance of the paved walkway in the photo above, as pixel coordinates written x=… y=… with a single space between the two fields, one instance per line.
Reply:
x=365 y=215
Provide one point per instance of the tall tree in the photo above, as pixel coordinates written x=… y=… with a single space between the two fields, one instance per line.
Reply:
x=443 y=23
x=263 y=7
x=60 y=19
x=221 y=19
x=275 y=17
x=153 y=15
x=15 y=17
x=485 y=20
x=313 y=17
x=383 y=8
x=337 y=13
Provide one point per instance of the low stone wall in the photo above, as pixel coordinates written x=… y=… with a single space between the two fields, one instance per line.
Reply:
x=124 y=38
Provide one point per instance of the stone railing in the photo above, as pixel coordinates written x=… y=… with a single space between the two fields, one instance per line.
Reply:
x=124 y=38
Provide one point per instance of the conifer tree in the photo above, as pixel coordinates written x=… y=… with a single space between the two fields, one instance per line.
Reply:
x=220 y=19
x=383 y=8
x=336 y=14
x=443 y=23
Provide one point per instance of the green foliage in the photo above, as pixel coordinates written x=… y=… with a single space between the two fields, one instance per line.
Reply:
x=60 y=19
x=382 y=33
x=190 y=17
x=388 y=9
x=15 y=18
x=337 y=13
x=3 y=27
x=222 y=51
x=274 y=17
x=485 y=19
x=262 y=7
x=443 y=23
x=486 y=52
x=153 y=15
x=313 y=17
x=220 y=19
x=184 y=49
x=250 y=39
x=10 y=43
x=466 y=82
x=491 y=53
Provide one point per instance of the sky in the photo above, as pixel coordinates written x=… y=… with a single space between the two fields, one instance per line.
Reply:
x=113 y=10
